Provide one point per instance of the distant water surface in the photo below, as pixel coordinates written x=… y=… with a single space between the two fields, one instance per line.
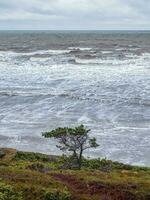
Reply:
x=65 y=78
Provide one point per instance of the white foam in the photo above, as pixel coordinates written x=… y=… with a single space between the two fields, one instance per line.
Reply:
x=30 y=97
x=130 y=59
x=39 y=59
x=80 y=48
x=106 y=52
x=40 y=52
x=84 y=119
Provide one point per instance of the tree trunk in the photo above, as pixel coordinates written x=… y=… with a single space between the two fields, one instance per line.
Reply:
x=80 y=159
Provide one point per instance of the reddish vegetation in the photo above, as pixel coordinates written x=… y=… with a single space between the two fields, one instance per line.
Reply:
x=76 y=186
x=96 y=191
x=35 y=176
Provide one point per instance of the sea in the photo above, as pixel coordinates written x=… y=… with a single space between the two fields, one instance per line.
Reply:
x=101 y=79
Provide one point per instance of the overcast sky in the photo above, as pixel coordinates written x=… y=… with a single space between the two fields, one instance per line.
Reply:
x=75 y=14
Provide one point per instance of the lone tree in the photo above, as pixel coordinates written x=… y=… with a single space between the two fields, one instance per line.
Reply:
x=74 y=140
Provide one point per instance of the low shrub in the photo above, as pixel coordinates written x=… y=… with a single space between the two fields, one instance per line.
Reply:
x=31 y=156
x=105 y=165
x=57 y=196
x=38 y=167
x=7 y=192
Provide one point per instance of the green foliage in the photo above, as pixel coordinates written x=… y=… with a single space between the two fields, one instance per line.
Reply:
x=65 y=195
x=40 y=167
x=36 y=166
x=7 y=192
x=106 y=165
x=75 y=140
x=59 y=132
x=93 y=143
x=68 y=162
x=27 y=179
x=109 y=165
x=31 y=156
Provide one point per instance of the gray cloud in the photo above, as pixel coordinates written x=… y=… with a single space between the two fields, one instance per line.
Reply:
x=75 y=14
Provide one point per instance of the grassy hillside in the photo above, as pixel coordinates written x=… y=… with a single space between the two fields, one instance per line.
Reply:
x=33 y=176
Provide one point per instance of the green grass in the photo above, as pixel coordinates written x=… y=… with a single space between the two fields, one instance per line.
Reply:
x=34 y=176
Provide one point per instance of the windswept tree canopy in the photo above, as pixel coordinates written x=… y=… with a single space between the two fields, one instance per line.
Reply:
x=75 y=140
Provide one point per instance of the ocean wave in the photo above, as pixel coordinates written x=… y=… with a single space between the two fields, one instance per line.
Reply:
x=128 y=58
x=12 y=93
x=44 y=52
x=100 y=99
x=80 y=48
x=98 y=61
x=34 y=53
x=73 y=57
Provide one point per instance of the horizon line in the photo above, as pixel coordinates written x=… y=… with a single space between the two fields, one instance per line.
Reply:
x=74 y=29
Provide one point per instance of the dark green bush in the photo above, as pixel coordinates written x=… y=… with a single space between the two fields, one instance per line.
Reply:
x=7 y=192
x=31 y=156
x=105 y=165
x=57 y=196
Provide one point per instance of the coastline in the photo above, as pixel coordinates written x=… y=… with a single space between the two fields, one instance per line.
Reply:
x=43 y=177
